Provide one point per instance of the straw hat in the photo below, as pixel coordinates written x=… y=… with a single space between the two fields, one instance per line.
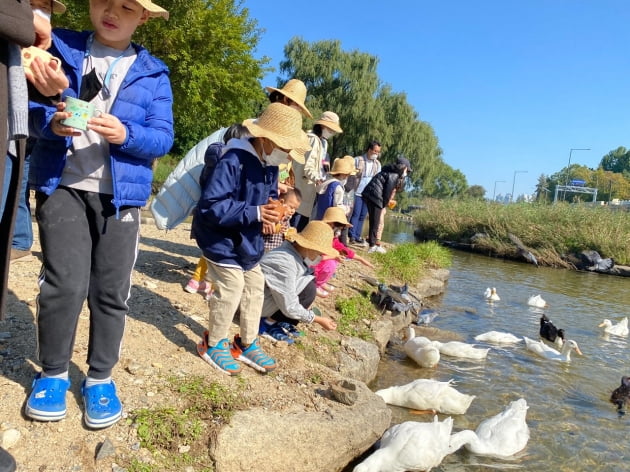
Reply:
x=153 y=9
x=317 y=236
x=296 y=91
x=58 y=7
x=343 y=165
x=336 y=215
x=282 y=125
x=330 y=120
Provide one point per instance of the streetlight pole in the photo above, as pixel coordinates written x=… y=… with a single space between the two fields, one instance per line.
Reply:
x=514 y=182
x=494 y=192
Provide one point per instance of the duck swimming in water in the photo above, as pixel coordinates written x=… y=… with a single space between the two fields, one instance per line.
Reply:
x=498 y=337
x=621 y=395
x=491 y=294
x=619 y=329
x=540 y=348
x=536 y=301
x=549 y=331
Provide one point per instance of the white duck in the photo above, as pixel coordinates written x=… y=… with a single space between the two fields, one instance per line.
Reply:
x=424 y=353
x=543 y=350
x=536 y=301
x=501 y=436
x=427 y=394
x=491 y=294
x=619 y=329
x=498 y=337
x=461 y=350
x=412 y=446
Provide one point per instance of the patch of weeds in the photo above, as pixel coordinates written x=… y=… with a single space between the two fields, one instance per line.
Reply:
x=202 y=406
x=407 y=262
x=353 y=311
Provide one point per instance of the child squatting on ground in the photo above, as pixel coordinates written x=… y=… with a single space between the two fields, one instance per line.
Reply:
x=289 y=282
x=228 y=224
x=95 y=181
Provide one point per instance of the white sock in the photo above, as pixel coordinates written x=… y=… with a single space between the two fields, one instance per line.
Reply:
x=89 y=381
x=63 y=375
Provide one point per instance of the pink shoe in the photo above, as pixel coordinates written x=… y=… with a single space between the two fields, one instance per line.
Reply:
x=194 y=286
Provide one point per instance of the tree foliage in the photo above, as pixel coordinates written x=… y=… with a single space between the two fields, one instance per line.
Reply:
x=616 y=161
x=208 y=46
x=348 y=84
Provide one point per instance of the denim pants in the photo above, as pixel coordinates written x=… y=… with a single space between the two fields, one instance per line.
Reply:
x=23 y=230
x=359 y=212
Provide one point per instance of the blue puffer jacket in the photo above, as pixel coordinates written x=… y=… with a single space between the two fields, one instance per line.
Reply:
x=143 y=104
x=226 y=223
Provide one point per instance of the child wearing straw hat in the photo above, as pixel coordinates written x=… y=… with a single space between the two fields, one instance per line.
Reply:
x=331 y=192
x=326 y=269
x=228 y=226
x=289 y=283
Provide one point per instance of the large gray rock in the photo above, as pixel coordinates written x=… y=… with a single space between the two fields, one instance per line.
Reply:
x=301 y=441
x=358 y=359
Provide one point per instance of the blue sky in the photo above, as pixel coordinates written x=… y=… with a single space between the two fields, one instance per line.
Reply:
x=508 y=85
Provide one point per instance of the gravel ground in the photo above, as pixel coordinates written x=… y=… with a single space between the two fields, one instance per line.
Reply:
x=163 y=327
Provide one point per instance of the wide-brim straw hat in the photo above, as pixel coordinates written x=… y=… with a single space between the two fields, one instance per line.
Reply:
x=283 y=126
x=296 y=91
x=317 y=236
x=343 y=165
x=153 y=9
x=58 y=7
x=330 y=120
x=336 y=215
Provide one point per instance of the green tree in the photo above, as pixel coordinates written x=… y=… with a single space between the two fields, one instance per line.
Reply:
x=348 y=84
x=476 y=192
x=617 y=160
x=208 y=46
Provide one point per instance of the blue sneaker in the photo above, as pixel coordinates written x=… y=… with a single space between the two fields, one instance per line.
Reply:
x=102 y=405
x=47 y=401
x=253 y=355
x=219 y=356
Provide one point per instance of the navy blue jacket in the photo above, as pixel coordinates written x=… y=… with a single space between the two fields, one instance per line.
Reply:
x=226 y=223
x=143 y=104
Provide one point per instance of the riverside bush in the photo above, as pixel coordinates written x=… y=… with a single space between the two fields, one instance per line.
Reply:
x=551 y=230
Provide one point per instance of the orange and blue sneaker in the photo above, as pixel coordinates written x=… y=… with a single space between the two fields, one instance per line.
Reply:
x=219 y=356
x=252 y=355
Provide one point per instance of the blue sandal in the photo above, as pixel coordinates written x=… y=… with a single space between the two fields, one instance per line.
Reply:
x=47 y=401
x=102 y=406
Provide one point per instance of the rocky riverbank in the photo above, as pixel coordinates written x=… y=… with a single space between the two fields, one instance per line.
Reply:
x=314 y=413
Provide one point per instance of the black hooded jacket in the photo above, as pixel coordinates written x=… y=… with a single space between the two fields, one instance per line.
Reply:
x=380 y=189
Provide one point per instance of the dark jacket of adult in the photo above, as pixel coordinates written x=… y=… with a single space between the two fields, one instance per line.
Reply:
x=16 y=27
x=380 y=189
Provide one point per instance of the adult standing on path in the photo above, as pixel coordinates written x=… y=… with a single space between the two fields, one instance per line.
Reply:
x=311 y=174
x=18 y=28
x=379 y=192
x=367 y=166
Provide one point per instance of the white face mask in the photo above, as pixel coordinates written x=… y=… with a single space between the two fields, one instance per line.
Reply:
x=344 y=181
x=405 y=173
x=277 y=157
x=327 y=134
x=337 y=233
x=312 y=262
x=373 y=156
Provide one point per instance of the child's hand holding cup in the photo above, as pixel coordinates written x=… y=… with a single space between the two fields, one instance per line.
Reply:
x=81 y=112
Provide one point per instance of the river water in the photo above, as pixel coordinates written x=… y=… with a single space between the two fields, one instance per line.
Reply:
x=573 y=425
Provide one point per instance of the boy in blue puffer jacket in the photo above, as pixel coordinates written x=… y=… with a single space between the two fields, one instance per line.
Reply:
x=90 y=186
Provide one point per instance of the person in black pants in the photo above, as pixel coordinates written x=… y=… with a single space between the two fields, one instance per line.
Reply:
x=379 y=191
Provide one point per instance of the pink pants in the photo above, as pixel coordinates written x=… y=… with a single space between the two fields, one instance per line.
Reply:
x=324 y=271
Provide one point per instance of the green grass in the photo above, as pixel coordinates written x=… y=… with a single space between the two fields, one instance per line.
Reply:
x=408 y=262
x=353 y=311
x=199 y=408
x=552 y=231
x=161 y=169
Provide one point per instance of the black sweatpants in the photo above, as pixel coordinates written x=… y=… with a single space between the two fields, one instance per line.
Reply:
x=306 y=298
x=374 y=219
x=88 y=252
